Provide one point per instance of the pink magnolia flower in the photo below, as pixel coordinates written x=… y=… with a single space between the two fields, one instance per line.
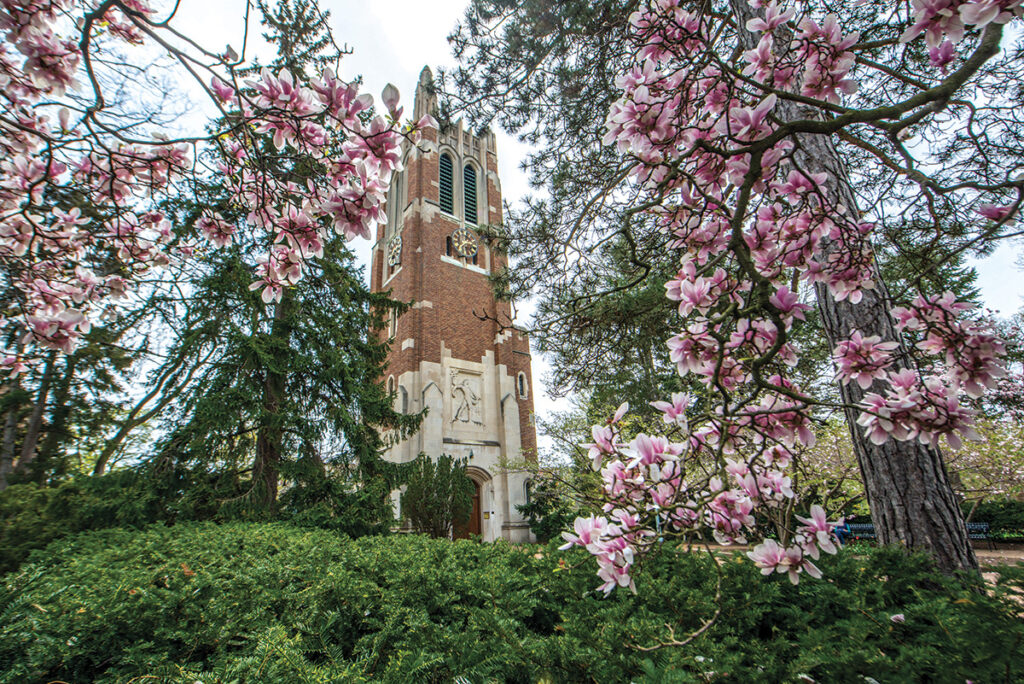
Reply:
x=773 y=18
x=819 y=530
x=940 y=56
x=605 y=443
x=863 y=359
x=390 y=98
x=674 y=412
x=768 y=556
x=788 y=303
x=588 y=533
x=996 y=212
x=222 y=90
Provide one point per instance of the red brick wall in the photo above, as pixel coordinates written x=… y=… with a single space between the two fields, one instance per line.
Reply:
x=464 y=309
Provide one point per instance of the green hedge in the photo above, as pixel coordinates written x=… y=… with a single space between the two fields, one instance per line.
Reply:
x=250 y=602
x=33 y=516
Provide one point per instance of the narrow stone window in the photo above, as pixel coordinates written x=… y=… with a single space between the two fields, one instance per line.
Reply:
x=522 y=385
x=447 y=181
x=469 y=194
x=448 y=245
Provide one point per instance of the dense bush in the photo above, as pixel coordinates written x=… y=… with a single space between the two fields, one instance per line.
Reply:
x=549 y=510
x=269 y=602
x=438 y=496
x=32 y=516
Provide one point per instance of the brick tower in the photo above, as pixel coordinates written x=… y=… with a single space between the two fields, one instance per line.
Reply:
x=448 y=352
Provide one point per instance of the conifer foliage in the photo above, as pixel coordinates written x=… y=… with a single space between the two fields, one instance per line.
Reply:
x=438 y=496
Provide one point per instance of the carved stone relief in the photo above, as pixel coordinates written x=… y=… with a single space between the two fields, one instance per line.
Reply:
x=466 y=398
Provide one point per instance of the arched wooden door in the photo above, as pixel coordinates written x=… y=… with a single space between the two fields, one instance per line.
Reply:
x=474 y=524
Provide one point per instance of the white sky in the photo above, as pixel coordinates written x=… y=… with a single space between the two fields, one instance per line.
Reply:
x=393 y=40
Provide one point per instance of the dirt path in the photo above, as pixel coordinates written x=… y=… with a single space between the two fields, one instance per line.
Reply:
x=1007 y=556
x=1004 y=554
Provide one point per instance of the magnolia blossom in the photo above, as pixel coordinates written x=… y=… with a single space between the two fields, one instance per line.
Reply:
x=770 y=557
x=863 y=359
x=648 y=494
x=45 y=247
x=674 y=411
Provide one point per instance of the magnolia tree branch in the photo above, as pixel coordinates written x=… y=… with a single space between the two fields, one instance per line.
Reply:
x=80 y=183
x=730 y=126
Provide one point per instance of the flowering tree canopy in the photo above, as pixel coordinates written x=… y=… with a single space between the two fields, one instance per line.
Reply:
x=731 y=115
x=79 y=181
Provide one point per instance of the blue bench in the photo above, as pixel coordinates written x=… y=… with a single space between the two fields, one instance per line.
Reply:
x=975 y=531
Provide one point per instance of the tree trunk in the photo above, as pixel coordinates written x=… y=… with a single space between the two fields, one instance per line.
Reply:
x=269 y=435
x=13 y=387
x=61 y=411
x=7 y=448
x=908 y=489
x=35 y=421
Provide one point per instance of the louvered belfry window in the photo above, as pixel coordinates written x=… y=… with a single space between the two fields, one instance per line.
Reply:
x=447 y=185
x=469 y=187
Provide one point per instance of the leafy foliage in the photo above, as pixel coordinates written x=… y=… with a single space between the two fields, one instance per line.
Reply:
x=270 y=602
x=549 y=510
x=292 y=399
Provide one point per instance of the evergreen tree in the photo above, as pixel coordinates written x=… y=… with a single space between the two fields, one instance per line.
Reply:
x=438 y=497
x=290 y=412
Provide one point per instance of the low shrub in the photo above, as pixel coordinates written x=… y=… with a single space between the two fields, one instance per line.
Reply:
x=246 y=602
x=32 y=516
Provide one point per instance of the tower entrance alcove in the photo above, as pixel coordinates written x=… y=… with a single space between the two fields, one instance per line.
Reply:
x=453 y=352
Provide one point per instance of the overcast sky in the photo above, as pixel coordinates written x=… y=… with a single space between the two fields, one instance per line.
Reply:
x=393 y=39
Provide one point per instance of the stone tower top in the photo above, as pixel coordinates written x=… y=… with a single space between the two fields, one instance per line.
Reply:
x=425 y=101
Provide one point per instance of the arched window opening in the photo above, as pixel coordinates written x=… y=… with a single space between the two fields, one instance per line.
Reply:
x=392 y=201
x=447 y=178
x=393 y=326
x=405 y=398
x=469 y=193
x=391 y=385
x=522 y=385
x=448 y=245
x=397 y=200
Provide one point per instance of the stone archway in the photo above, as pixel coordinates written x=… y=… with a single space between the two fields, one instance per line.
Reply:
x=480 y=477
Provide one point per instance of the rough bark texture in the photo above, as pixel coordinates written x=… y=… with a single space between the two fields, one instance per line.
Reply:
x=908 y=490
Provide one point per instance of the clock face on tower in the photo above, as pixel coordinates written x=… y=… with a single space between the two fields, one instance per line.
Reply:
x=464 y=242
x=395 y=251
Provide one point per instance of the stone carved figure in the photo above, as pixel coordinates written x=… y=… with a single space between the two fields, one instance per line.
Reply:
x=466 y=398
